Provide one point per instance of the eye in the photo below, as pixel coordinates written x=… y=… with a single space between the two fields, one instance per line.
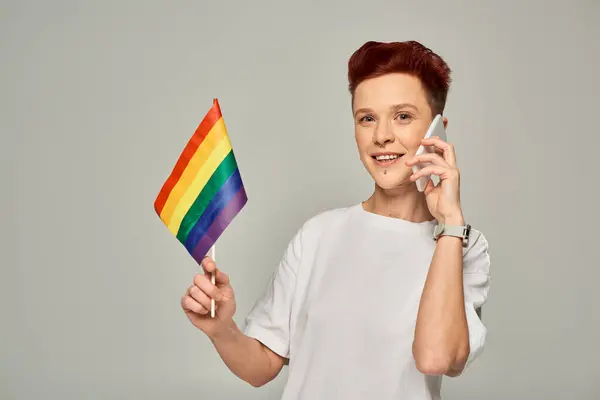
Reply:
x=367 y=118
x=404 y=117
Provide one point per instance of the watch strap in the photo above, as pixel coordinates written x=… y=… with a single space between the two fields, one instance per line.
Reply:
x=462 y=232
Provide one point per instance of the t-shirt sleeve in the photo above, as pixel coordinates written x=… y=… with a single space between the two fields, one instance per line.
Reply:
x=476 y=283
x=269 y=319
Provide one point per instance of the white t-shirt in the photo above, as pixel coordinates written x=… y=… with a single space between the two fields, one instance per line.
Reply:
x=342 y=306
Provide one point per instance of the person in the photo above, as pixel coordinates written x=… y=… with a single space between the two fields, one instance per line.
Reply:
x=369 y=301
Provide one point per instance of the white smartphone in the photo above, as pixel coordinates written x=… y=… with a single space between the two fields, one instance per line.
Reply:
x=435 y=129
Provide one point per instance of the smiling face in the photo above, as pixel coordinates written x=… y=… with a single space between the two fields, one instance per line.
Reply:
x=391 y=116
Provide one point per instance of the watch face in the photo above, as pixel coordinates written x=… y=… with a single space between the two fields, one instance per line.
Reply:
x=438 y=230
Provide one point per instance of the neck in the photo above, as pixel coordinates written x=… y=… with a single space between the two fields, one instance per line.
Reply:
x=404 y=202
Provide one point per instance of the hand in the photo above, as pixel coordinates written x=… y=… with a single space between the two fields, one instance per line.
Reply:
x=197 y=300
x=443 y=200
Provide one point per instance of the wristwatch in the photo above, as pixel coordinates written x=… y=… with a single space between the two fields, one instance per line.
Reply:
x=462 y=232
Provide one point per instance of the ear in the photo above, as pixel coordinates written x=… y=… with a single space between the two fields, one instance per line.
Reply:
x=445 y=121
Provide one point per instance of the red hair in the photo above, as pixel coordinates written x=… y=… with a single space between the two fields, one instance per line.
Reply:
x=375 y=59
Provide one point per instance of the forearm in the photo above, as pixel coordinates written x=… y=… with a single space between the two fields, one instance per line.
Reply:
x=246 y=357
x=441 y=343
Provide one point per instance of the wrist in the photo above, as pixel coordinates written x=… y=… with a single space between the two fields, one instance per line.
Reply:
x=227 y=332
x=455 y=219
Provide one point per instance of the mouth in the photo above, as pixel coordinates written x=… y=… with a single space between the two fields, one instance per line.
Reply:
x=386 y=159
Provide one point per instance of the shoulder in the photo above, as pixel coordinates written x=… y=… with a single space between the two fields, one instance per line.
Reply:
x=325 y=219
x=309 y=234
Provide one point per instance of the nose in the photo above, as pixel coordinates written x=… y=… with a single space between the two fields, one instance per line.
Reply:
x=383 y=134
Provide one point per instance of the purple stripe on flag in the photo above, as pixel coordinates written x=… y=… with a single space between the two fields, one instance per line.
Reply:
x=220 y=223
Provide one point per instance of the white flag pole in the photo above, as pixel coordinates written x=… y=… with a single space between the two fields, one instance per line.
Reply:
x=213 y=280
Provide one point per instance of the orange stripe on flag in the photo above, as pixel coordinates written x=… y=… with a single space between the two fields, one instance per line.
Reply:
x=202 y=163
x=209 y=120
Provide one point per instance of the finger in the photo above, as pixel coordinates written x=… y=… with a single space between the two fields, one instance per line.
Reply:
x=438 y=170
x=430 y=157
x=190 y=305
x=447 y=149
x=208 y=265
x=199 y=296
x=203 y=283
x=437 y=149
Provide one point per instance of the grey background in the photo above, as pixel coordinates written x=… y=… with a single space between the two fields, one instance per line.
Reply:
x=99 y=98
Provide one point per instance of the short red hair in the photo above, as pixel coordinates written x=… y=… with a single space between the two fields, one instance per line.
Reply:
x=375 y=59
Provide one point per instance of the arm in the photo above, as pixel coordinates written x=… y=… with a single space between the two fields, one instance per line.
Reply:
x=246 y=357
x=441 y=343
x=448 y=333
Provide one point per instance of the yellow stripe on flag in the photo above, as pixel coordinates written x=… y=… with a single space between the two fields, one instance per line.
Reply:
x=208 y=168
x=212 y=139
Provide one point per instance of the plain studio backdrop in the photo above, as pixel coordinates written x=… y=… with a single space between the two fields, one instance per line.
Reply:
x=99 y=98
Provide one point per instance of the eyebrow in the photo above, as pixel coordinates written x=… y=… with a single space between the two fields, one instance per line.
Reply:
x=393 y=107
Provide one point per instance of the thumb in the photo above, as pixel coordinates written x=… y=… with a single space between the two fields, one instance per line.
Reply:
x=429 y=187
x=210 y=267
x=221 y=278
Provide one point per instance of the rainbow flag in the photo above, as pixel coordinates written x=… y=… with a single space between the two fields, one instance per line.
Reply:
x=204 y=191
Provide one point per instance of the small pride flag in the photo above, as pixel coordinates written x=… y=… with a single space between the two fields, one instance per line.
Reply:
x=204 y=191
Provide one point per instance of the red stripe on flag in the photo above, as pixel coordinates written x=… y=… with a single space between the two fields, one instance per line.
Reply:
x=210 y=119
